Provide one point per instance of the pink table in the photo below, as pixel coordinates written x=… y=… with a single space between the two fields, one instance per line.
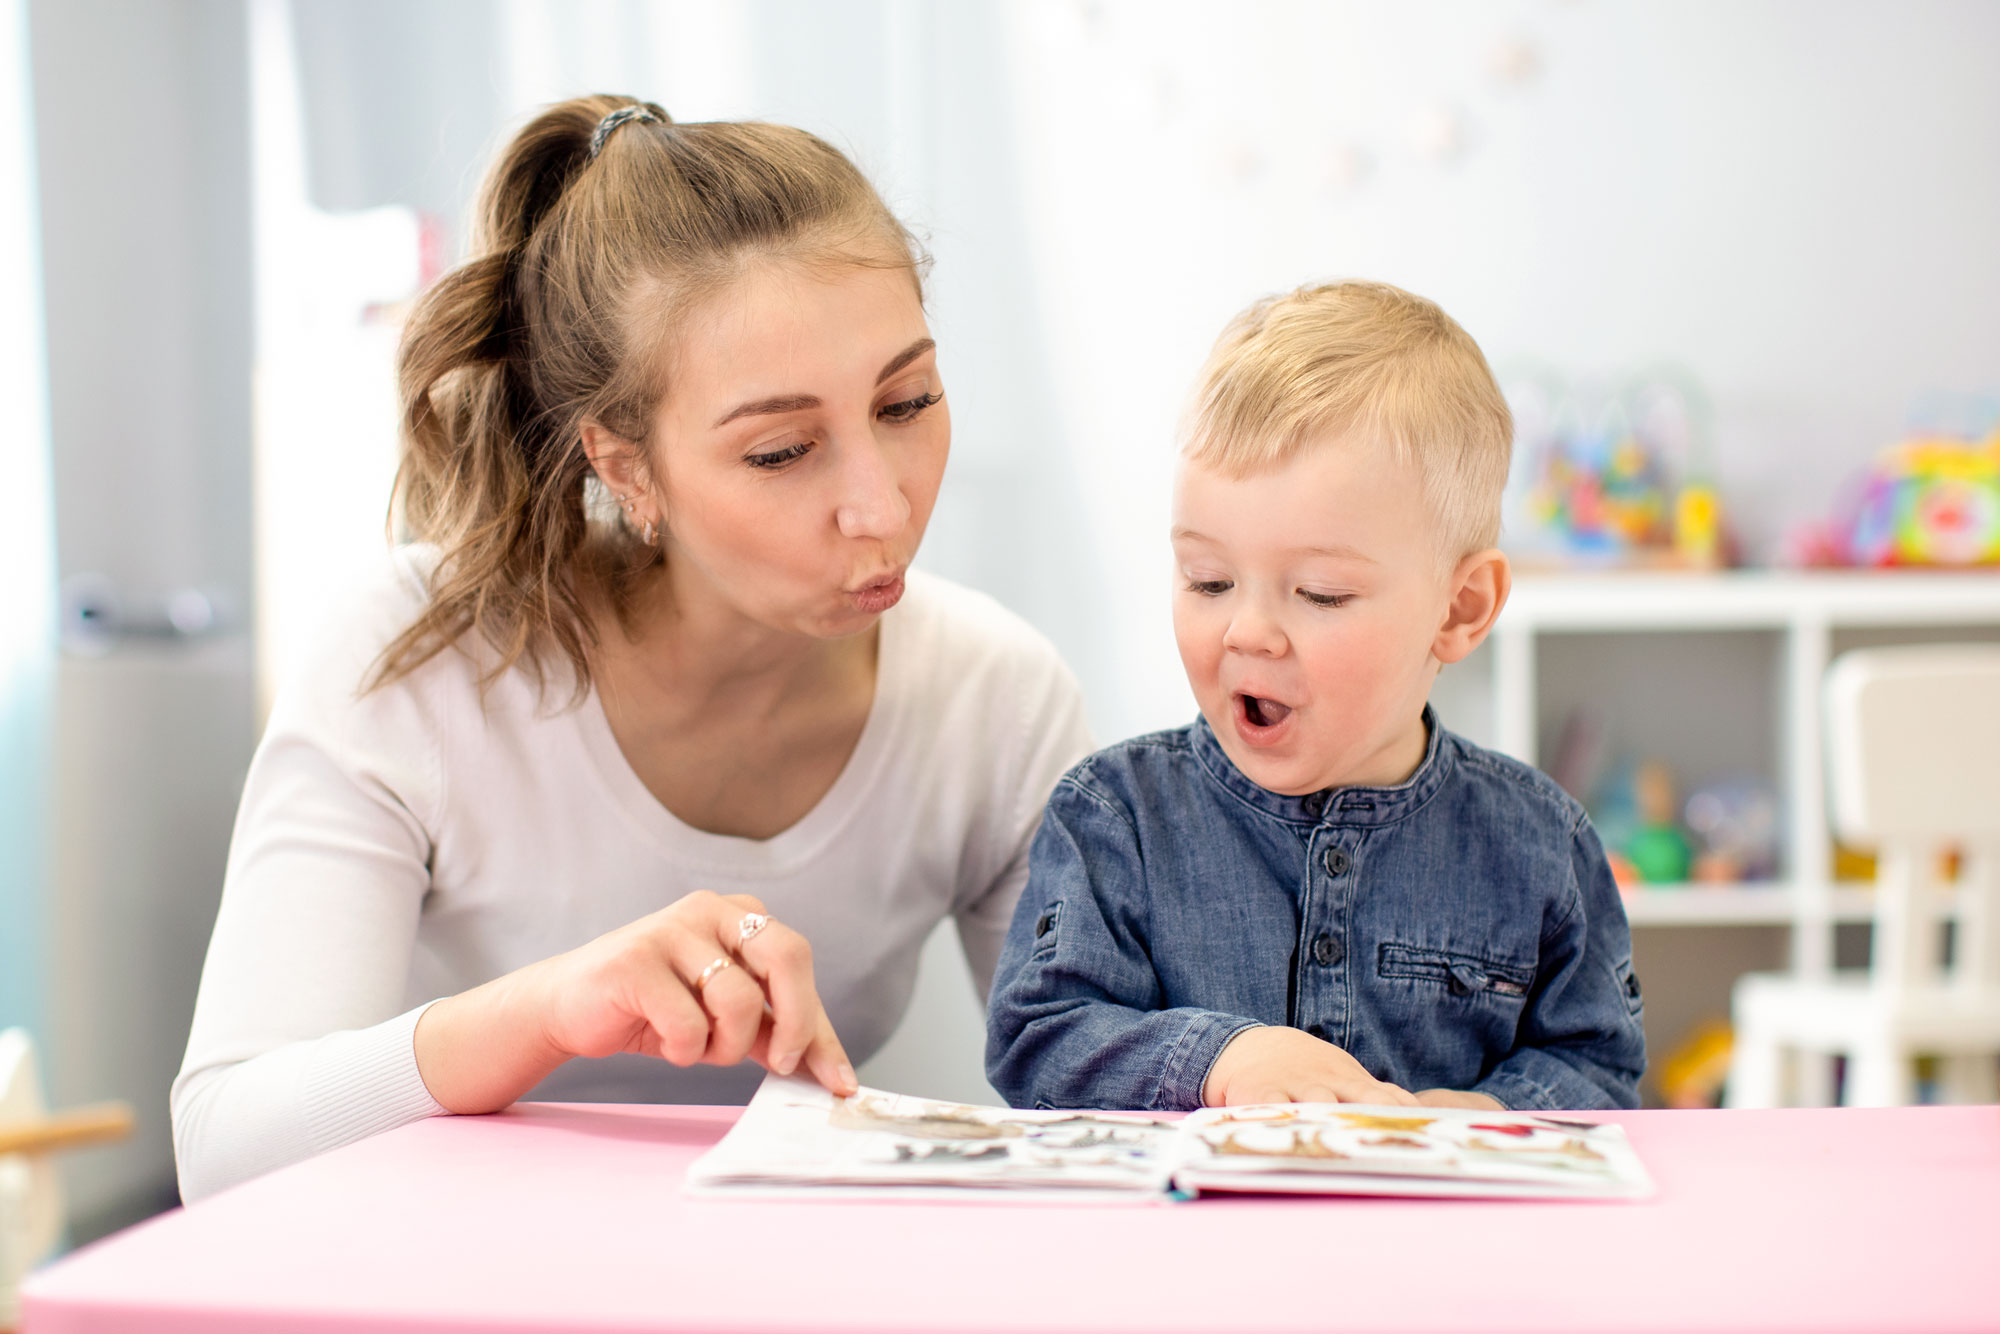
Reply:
x=570 y=1218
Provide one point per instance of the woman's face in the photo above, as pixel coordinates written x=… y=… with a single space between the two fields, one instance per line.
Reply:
x=798 y=450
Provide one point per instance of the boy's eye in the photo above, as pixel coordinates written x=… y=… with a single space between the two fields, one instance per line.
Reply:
x=1325 y=599
x=778 y=458
x=1209 y=587
x=910 y=407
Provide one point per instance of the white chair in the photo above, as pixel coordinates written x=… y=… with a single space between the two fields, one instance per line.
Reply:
x=31 y=1205
x=1913 y=769
x=31 y=1201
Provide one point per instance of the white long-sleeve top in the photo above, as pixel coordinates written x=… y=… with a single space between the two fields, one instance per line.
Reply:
x=410 y=842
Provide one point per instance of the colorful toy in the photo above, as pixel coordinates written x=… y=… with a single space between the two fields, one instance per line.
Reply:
x=1658 y=849
x=1634 y=809
x=1698 y=533
x=1615 y=812
x=1852 y=864
x=1693 y=1073
x=1624 y=489
x=1602 y=494
x=1623 y=872
x=1735 y=825
x=1929 y=501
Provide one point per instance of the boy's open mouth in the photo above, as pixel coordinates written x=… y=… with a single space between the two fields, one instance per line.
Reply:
x=1259 y=712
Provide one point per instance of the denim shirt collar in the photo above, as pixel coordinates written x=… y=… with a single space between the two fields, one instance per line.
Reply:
x=1332 y=806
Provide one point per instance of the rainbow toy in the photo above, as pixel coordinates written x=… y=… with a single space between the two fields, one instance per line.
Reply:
x=1929 y=502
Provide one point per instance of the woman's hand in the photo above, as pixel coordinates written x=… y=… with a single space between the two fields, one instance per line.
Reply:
x=638 y=989
x=1289 y=1065
x=635 y=989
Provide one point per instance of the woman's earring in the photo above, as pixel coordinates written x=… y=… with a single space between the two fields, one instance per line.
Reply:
x=647 y=532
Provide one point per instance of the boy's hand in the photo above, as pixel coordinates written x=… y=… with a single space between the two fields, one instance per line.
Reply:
x=1478 y=1102
x=1287 y=1065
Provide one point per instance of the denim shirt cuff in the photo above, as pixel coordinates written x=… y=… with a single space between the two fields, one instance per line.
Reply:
x=1193 y=1056
x=1517 y=1093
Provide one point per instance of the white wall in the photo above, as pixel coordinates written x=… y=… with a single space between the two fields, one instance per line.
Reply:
x=1796 y=202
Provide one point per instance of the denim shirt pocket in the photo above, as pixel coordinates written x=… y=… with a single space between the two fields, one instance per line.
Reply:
x=1459 y=973
x=1628 y=986
x=1046 y=922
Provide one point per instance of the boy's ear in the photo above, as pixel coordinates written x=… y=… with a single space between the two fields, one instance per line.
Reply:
x=1479 y=588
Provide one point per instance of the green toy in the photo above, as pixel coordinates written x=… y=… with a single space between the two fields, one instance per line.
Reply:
x=1658 y=850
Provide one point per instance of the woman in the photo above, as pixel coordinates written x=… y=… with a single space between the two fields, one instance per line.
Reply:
x=655 y=700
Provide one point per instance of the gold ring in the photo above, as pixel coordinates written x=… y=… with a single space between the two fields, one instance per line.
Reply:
x=722 y=961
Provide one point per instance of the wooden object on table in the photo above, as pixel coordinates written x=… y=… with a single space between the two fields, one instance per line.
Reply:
x=76 y=1128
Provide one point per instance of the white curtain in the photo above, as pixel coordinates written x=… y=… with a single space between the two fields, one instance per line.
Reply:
x=27 y=578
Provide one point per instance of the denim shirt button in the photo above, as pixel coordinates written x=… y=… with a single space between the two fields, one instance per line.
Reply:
x=1336 y=862
x=1327 y=949
x=1315 y=804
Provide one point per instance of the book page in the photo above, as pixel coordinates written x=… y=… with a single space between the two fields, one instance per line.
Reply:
x=796 y=1134
x=1355 y=1149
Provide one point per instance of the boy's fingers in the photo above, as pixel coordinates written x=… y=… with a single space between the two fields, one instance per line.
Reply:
x=1397 y=1097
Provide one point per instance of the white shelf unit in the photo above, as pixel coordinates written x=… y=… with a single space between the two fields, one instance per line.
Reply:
x=1802 y=619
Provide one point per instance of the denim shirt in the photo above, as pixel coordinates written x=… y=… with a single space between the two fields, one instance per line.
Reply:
x=1460 y=930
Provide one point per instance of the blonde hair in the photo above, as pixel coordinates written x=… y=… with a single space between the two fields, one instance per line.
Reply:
x=595 y=238
x=1335 y=358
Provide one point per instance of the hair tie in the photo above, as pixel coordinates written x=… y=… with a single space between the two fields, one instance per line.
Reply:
x=611 y=122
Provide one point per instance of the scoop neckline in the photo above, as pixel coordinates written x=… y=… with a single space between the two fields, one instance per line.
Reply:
x=805 y=837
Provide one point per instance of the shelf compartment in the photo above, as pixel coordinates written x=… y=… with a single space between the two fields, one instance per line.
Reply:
x=1774 y=904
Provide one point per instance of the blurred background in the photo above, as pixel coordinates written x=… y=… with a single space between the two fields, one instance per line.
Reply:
x=1726 y=256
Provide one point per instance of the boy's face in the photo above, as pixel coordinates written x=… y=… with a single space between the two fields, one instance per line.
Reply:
x=1306 y=604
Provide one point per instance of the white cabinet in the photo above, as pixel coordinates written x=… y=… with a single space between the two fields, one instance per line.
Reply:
x=1716 y=674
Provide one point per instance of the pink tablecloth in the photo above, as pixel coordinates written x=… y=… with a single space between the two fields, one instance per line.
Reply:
x=570 y=1218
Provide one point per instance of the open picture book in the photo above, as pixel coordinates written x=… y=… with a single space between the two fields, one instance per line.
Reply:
x=797 y=1139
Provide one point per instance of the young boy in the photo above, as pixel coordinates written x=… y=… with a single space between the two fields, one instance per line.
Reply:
x=1314 y=892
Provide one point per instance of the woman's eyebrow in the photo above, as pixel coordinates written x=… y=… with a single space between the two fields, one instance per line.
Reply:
x=763 y=406
x=800 y=402
x=905 y=357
